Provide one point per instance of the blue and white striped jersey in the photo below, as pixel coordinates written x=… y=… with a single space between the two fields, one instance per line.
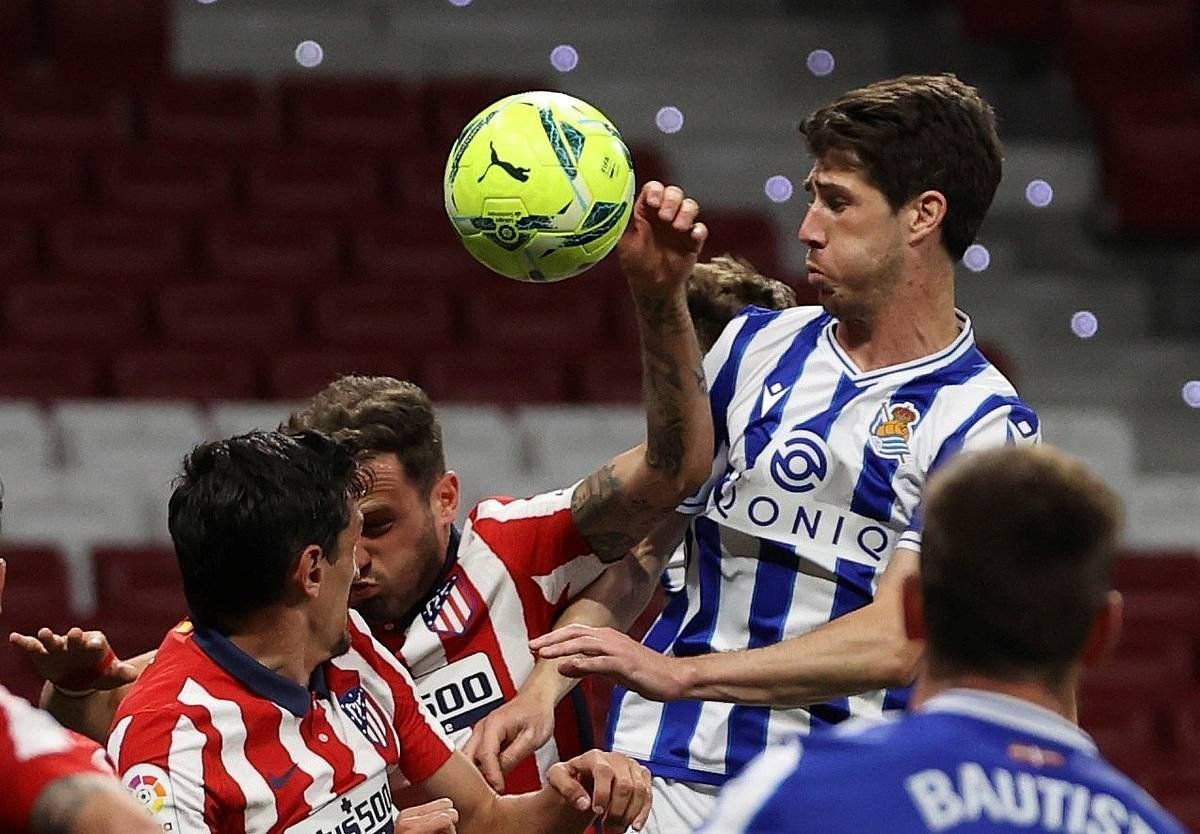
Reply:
x=817 y=477
x=968 y=761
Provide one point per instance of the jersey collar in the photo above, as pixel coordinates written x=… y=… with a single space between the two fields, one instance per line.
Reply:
x=260 y=680
x=963 y=342
x=1011 y=712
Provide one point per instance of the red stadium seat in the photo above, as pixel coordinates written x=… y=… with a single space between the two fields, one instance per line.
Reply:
x=18 y=246
x=273 y=250
x=414 y=182
x=206 y=114
x=139 y=596
x=41 y=113
x=18 y=33
x=415 y=247
x=1126 y=732
x=227 y=315
x=500 y=377
x=318 y=183
x=390 y=315
x=747 y=234
x=36 y=590
x=298 y=375
x=649 y=163
x=110 y=42
x=1155 y=177
x=1012 y=20
x=36 y=181
x=553 y=317
x=82 y=316
x=367 y=114
x=163 y=182
x=184 y=375
x=124 y=248
x=43 y=374
x=450 y=103
x=1172 y=570
x=609 y=378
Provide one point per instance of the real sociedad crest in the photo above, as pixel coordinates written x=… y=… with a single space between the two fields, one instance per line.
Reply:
x=892 y=429
x=450 y=610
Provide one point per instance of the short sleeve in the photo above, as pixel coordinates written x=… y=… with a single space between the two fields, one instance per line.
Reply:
x=159 y=758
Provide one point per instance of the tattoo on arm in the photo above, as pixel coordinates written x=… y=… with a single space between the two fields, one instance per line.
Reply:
x=60 y=802
x=604 y=514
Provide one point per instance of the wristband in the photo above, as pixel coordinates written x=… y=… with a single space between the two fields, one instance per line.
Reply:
x=79 y=683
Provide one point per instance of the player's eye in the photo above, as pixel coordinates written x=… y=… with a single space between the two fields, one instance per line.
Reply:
x=376 y=529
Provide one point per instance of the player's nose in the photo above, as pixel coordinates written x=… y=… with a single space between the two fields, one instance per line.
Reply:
x=810 y=232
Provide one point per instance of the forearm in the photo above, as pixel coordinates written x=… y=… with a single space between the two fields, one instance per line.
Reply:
x=542 y=812
x=861 y=651
x=89 y=715
x=89 y=804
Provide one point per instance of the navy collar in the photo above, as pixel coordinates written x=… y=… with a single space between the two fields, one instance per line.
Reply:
x=410 y=615
x=260 y=680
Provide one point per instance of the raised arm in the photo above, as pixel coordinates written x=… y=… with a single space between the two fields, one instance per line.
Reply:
x=618 y=504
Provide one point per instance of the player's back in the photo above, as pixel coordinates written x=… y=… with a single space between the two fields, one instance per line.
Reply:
x=966 y=762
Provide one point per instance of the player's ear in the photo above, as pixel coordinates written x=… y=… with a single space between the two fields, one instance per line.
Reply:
x=914 y=607
x=309 y=571
x=1105 y=630
x=927 y=212
x=444 y=497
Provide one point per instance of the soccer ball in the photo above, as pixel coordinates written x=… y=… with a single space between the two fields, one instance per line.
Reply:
x=539 y=186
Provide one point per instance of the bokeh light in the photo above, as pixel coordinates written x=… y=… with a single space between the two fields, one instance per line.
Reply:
x=1084 y=324
x=669 y=119
x=1039 y=193
x=309 y=54
x=1191 y=393
x=460 y=3
x=778 y=188
x=820 y=62
x=207 y=2
x=977 y=258
x=564 y=57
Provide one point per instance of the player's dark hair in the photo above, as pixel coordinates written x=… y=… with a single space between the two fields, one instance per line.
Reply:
x=719 y=289
x=1016 y=561
x=913 y=134
x=374 y=415
x=245 y=508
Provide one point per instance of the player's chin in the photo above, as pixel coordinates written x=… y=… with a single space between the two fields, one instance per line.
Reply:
x=342 y=645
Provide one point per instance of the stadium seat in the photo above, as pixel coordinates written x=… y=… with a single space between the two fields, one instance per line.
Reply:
x=82 y=316
x=1155 y=177
x=567 y=442
x=1104 y=439
x=547 y=318
x=273 y=250
x=414 y=182
x=484 y=448
x=411 y=249
x=1126 y=732
x=110 y=42
x=650 y=163
x=178 y=374
x=18 y=246
x=18 y=33
x=352 y=114
x=101 y=435
x=37 y=594
x=227 y=315
x=391 y=316
x=449 y=103
x=748 y=234
x=1012 y=21
x=45 y=374
x=493 y=375
x=139 y=596
x=1150 y=570
x=40 y=113
x=126 y=249
x=37 y=181
x=163 y=182
x=25 y=438
x=313 y=182
x=209 y=115
x=614 y=377
x=297 y=375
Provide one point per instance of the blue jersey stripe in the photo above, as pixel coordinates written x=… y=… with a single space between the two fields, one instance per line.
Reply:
x=774 y=581
x=875 y=492
x=762 y=427
x=854 y=590
x=720 y=392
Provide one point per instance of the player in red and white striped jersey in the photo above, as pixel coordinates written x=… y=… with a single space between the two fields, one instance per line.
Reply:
x=273 y=709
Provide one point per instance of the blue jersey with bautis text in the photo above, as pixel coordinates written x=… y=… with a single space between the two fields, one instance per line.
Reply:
x=967 y=762
x=816 y=480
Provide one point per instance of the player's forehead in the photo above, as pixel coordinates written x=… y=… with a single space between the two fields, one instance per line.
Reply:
x=836 y=172
x=390 y=484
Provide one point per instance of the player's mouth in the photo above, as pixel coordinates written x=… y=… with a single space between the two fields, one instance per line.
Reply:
x=363 y=589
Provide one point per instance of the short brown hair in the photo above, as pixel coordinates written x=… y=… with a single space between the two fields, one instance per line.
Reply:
x=719 y=289
x=915 y=133
x=1016 y=560
x=374 y=415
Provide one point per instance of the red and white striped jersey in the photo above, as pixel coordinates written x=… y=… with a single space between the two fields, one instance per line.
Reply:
x=210 y=740
x=513 y=569
x=35 y=752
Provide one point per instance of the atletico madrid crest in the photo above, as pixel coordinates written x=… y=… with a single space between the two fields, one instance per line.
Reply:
x=450 y=610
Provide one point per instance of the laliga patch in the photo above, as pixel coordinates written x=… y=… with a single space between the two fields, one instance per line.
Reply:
x=151 y=787
x=461 y=693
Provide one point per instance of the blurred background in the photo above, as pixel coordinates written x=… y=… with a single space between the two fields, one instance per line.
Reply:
x=209 y=208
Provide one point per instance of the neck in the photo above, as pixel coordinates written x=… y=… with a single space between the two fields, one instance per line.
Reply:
x=1059 y=699
x=915 y=321
x=269 y=637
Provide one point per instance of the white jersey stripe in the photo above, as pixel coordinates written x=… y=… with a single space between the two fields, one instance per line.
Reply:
x=226 y=717
x=308 y=762
x=185 y=763
x=116 y=738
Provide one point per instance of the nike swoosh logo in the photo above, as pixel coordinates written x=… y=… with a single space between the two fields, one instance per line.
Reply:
x=277 y=782
x=772 y=394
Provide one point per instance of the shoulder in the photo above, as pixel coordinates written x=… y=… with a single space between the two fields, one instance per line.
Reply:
x=503 y=508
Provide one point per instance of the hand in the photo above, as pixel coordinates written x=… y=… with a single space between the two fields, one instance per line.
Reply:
x=437 y=817
x=620 y=787
x=77 y=660
x=662 y=240
x=507 y=735
x=584 y=650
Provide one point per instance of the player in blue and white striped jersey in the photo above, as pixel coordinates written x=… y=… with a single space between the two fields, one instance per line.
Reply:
x=828 y=421
x=989 y=746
